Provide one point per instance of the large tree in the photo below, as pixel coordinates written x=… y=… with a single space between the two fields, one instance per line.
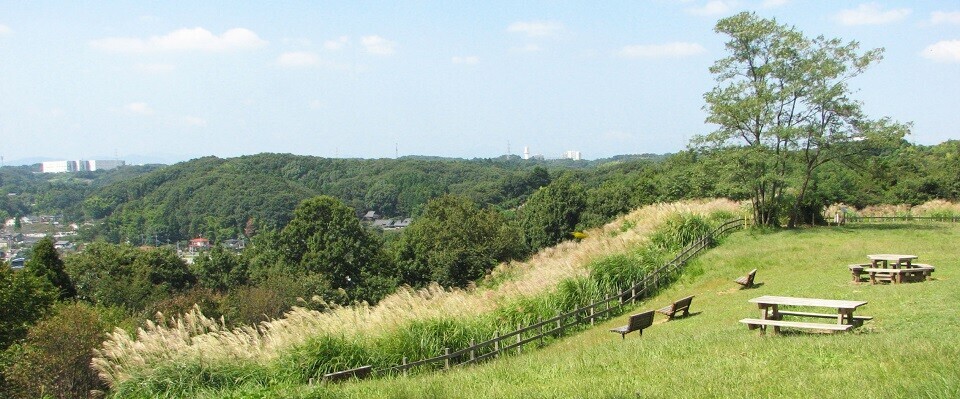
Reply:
x=45 y=263
x=783 y=109
x=325 y=237
x=455 y=242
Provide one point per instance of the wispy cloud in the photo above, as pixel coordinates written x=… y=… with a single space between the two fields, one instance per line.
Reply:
x=943 y=51
x=195 y=39
x=5 y=30
x=666 y=50
x=298 y=59
x=714 y=8
x=871 y=14
x=138 y=108
x=377 y=45
x=945 y=17
x=156 y=68
x=336 y=44
x=536 y=28
x=466 y=60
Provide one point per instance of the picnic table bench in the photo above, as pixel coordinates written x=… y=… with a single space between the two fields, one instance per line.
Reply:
x=747 y=281
x=857 y=271
x=681 y=305
x=771 y=315
x=916 y=273
x=359 y=373
x=637 y=323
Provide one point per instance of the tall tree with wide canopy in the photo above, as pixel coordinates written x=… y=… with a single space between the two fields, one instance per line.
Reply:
x=325 y=237
x=783 y=108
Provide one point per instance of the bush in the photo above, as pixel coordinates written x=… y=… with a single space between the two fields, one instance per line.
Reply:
x=54 y=360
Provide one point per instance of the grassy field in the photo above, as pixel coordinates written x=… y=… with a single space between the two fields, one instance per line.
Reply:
x=909 y=350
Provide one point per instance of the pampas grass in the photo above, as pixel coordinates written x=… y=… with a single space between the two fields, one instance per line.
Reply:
x=193 y=338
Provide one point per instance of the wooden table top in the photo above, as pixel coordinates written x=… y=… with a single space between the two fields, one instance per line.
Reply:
x=891 y=257
x=791 y=301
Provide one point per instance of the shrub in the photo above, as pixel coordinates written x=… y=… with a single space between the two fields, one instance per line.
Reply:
x=54 y=360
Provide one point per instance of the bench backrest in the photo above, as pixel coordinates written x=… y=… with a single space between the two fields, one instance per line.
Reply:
x=683 y=303
x=750 y=276
x=640 y=321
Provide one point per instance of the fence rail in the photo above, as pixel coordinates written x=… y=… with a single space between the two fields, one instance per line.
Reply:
x=554 y=327
x=904 y=218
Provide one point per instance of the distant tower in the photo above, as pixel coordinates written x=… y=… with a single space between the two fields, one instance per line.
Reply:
x=508 y=148
x=526 y=152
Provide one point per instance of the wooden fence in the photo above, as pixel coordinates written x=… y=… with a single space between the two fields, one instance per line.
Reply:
x=556 y=326
x=904 y=218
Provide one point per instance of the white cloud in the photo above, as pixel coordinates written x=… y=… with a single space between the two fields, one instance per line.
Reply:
x=666 y=50
x=196 y=39
x=156 y=68
x=944 y=17
x=944 y=50
x=377 y=45
x=195 y=121
x=5 y=30
x=467 y=60
x=336 y=44
x=298 y=59
x=871 y=14
x=536 y=28
x=138 y=108
x=774 y=3
x=713 y=8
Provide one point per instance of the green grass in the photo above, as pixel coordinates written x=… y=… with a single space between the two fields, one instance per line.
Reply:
x=909 y=350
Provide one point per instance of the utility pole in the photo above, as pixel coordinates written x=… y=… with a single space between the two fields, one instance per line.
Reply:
x=396 y=150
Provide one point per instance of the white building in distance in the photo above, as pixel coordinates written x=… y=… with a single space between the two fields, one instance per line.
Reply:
x=76 y=166
x=572 y=154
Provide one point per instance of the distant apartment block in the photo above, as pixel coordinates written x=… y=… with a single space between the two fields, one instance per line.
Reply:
x=77 y=166
x=574 y=155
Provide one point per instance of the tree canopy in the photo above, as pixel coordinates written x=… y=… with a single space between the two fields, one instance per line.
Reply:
x=784 y=108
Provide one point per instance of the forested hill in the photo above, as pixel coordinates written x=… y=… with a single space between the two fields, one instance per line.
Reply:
x=221 y=198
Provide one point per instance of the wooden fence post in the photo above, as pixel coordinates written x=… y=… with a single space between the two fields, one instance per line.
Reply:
x=496 y=344
x=472 y=349
x=540 y=322
x=592 y=312
x=519 y=335
x=404 y=366
x=446 y=359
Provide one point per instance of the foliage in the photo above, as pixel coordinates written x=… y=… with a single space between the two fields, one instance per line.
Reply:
x=24 y=298
x=45 y=263
x=784 y=109
x=552 y=213
x=455 y=242
x=326 y=238
x=220 y=269
x=121 y=275
x=54 y=360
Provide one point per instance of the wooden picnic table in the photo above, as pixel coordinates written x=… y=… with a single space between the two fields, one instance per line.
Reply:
x=884 y=260
x=770 y=308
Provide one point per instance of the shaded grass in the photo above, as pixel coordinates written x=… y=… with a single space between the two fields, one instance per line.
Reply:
x=908 y=350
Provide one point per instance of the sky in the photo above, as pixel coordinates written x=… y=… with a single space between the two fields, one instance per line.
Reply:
x=170 y=81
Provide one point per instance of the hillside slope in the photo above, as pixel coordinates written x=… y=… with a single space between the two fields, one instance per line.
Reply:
x=908 y=350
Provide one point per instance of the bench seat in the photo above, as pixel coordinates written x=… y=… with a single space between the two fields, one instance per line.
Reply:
x=681 y=305
x=755 y=323
x=637 y=323
x=905 y=274
x=857 y=320
x=747 y=281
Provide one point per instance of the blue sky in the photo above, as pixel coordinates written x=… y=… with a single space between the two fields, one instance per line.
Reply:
x=176 y=80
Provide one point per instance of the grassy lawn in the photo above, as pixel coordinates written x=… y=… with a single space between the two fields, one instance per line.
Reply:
x=910 y=349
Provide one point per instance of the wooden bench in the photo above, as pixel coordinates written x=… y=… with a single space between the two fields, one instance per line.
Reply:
x=747 y=281
x=901 y=275
x=763 y=323
x=358 y=373
x=857 y=271
x=637 y=323
x=857 y=320
x=682 y=305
